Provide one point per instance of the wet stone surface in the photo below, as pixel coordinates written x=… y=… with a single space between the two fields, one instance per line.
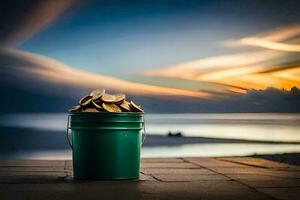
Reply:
x=160 y=178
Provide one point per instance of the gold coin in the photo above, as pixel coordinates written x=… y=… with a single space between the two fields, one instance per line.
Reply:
x=119 y=98
x=97 y=94
x=99 y=101
x=111 y=107
x=97 y=104
x=136 y=107
x=75 y=108
x=125 y=106
x=107 y=98
x=85 y=100
x=90 y=110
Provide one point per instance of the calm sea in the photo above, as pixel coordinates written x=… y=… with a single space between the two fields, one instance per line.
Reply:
x=42 y=136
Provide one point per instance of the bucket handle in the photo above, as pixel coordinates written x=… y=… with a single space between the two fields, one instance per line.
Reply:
x=144 y=131
x=71 y=145
x=68 y=133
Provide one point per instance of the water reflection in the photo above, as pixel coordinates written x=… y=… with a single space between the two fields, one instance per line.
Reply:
x=188 y=150
x=42 y=136
x=203 y=150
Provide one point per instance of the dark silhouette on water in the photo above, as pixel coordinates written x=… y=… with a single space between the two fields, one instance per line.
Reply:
x=174 y=134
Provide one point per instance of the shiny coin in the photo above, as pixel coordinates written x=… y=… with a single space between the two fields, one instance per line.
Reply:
x=108 y=98
x=136 y=107
x=125 y=106
x=99 y=101
x=85 y=100
x=97 y=104
x=75 y=108
x=90 y=110
x=119 y=98
x=97 y=94
x=111 y=107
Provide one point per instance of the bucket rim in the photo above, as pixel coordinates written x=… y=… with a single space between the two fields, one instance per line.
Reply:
x=107 y=113
x=105 y=128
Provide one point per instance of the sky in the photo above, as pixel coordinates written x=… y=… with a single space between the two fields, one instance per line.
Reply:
x=120 y=38
x=195 y=49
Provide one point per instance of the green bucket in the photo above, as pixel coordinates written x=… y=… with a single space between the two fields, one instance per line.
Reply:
x=106 y=145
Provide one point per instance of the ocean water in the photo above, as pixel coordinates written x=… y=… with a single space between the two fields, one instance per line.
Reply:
x=44 y=133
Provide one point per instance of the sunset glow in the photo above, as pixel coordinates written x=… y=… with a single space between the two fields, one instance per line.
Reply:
x=258 y=42
x=53 y=71
x=256 y=69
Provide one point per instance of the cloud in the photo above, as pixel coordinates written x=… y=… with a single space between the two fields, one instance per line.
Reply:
x=274 y=66
x=44 y=76
x=32 y=67
x=196 y=68
x=258 y=42
x=20 y=20
x=237 y=72
x=272 y=39
x=281 y=33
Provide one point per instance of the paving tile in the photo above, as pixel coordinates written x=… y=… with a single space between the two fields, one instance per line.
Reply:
x=189 y=177
x=179 y=179
x=212 y=162
x=69 y=172
x=73 y=191
x=50 y=178
x=145 y=177
x=161 y=160
x=279 y=173
x=30 y=169
x=283 y=174
x=260 y=162
x=31 y=179
x=155 y=162
x=142 y=177
x=31 y=173
x=207 y=190
x=68 y=163
x=177 y=171
x=265 y=181
x=31 y=163
x=282 y=193
x=184 y=165
x=256 y=171
x=238 y=170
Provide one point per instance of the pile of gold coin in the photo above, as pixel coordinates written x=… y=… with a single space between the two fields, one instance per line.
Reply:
x=100 y=101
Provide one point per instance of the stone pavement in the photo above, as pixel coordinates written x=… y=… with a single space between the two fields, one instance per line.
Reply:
x=161 y=178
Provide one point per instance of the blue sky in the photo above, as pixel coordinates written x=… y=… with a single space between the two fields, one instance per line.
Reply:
x=120 y=38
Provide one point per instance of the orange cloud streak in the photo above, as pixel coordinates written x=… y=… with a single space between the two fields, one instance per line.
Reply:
x=272 y=39
x=282 y=33
x=258 y=42
x=248 y=70
x=193 y=69
x=52 y=71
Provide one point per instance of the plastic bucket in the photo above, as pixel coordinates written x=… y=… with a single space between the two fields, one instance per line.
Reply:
x=106 y=145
